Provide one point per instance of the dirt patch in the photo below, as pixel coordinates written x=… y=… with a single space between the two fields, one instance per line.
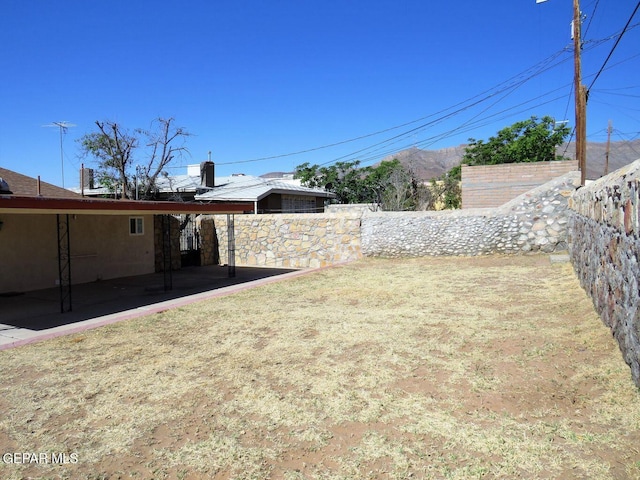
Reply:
x=491 y=367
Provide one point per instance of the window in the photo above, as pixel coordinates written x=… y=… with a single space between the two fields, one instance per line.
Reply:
x=136 y=226
x=298 y=204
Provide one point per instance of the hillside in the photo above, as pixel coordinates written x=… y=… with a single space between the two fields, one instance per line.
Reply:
x=428 y=164
x=432 y=163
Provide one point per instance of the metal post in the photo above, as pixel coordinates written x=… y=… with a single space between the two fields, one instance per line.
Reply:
x=64 y=262
x=166 y=253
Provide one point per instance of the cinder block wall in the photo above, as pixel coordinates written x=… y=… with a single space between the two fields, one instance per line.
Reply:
x=604 y=234
x=486 y=186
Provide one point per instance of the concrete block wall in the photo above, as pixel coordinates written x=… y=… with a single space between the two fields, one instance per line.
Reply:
x=604 y=233
x=485 y=186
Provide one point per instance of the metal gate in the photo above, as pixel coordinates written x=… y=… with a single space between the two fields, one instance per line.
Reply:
x=189 y=241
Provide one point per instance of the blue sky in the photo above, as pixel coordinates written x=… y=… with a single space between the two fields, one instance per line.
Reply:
x=257 y=81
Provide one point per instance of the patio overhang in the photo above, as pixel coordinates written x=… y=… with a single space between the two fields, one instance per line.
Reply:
x=93 y=206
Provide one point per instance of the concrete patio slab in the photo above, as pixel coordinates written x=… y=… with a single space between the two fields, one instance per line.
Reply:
x=35 y=316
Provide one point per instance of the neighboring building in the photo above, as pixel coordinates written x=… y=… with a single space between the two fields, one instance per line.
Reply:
x=267 y=195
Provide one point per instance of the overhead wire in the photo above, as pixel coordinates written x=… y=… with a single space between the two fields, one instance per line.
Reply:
x=614 y=47
x=507 y=86
x=487 y=94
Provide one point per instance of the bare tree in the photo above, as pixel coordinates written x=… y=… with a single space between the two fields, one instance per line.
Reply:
x=166 y=142
x=114 y=147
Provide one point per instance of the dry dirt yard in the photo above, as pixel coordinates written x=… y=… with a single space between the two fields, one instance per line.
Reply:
x=493 y=367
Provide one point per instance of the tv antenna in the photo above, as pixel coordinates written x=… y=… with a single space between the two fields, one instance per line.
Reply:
x=63 y=126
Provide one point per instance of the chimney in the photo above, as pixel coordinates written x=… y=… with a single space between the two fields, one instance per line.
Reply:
x=4 y=187
x=207 y=174
x=86 y=178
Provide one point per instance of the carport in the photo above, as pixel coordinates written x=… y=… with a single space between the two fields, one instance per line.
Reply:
x=70 y=239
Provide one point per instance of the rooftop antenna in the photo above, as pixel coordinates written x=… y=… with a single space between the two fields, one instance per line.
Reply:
x=63 y=126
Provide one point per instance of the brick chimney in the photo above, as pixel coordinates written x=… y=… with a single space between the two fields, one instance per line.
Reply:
x=86 y=178
x=207 y=174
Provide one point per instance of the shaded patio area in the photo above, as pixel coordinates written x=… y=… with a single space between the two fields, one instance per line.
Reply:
x=40 y=309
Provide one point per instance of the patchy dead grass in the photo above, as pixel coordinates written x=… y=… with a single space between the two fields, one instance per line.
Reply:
x=493 y=367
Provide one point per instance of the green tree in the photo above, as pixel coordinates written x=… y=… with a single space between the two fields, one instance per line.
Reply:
x=112 y=146
x=344 y=179
x=389 y=185
x=531 y=140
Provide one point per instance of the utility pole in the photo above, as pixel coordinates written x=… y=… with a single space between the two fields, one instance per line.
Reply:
x=580 y=95
x=606 y=155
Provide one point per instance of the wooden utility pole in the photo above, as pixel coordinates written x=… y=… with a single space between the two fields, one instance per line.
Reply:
x=606 y=155
x=580 y=95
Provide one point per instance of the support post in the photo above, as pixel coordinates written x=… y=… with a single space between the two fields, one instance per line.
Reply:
x=64 y=262
x=231 y=245
x=166 y=253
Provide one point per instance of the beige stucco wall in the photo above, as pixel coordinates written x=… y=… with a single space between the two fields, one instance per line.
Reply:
x=28 y=252
x=101 y=248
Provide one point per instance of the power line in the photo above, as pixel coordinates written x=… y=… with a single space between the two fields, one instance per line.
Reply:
x=614 y=47
x=593 y=14
x=540 y=66
x=506 y=87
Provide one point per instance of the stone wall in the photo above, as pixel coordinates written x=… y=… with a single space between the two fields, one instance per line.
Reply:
x=355 y=208
x=291 y=240
x=605 y=251
x=533 y=222
x=486 y=186
x=176 y=262
x=209 y=251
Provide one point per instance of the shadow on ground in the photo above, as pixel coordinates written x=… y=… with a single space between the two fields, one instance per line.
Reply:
x=40 y=309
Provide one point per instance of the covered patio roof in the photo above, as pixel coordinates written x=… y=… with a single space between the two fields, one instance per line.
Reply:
x=93 y=206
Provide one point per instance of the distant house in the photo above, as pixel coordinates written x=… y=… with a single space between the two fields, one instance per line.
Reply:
x=267 y=195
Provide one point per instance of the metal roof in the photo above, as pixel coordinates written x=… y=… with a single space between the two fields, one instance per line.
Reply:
x=247 y=188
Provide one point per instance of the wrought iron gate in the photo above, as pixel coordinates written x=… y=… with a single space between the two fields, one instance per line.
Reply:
x=189 y=241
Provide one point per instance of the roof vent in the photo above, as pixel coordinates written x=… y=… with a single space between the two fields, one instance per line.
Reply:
x=4 y=187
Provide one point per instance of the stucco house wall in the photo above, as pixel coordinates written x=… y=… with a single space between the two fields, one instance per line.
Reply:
x=101 y=248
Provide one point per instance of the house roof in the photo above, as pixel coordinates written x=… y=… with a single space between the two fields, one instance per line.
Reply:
x=25 y=186
x=247 y=188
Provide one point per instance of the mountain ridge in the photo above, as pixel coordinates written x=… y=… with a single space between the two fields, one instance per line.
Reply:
x=428 y=164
